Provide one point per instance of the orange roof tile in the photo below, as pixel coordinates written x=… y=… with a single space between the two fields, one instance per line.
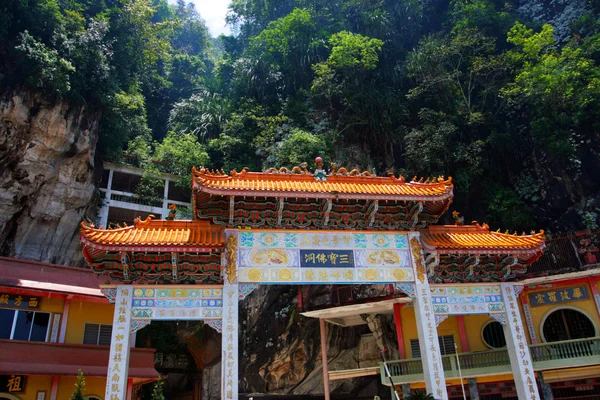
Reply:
x=477 y=238
x=158 y=233
x=353 y=185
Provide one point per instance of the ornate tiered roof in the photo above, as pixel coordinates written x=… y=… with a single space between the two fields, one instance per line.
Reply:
x=336 y=185
x=190 y=251
x=159 y=235
x=156 y=250
x=473 y=239
x=335 y=199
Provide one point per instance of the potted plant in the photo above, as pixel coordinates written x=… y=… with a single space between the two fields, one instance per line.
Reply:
x=587 y=249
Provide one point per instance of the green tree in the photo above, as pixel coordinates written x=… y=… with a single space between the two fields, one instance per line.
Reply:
x=202 y=115
x=79 y=387
x=561 y=87
x=157 y=393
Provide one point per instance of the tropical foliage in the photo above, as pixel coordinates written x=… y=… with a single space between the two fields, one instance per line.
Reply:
x=473 y=89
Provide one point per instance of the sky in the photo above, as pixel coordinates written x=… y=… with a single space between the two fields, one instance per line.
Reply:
x=214 y=13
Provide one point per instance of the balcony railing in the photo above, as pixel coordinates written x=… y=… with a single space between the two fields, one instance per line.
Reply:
x=574 y=252
x=135 y=199
x=565 y=354
x=133 y=161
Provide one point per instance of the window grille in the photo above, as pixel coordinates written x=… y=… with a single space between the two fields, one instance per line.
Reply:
x=493 y=335
x=97 y=334
x=567 y=324
x=446 y=346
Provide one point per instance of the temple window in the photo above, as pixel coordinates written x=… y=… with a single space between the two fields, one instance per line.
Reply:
x=493 y=335
x=178 y=193
x=24 y=325
x=567 y=324
x=98 y=334
x=446 y=346
x=125 y=182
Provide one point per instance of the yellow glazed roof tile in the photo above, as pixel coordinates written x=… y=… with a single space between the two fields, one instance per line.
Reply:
x=288 y=183
x=156 y=233
x=469 y=237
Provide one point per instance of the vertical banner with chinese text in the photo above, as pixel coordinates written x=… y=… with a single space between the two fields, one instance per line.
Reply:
x=516 y=344
x=118 y=362
x=229 y=363
x=431 y=356
x=229 y=341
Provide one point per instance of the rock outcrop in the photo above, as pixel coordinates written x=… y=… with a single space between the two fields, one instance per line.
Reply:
x=280 y=350
x=561 y=14
x=46 y=176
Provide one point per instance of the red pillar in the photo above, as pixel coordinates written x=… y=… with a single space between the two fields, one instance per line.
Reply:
x=300 y=298
x=399 y=337
x=464 y=341
x=324 y=358
x=129 y=387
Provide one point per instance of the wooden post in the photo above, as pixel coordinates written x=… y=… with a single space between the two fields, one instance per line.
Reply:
x=324 y=358
x=399 y=336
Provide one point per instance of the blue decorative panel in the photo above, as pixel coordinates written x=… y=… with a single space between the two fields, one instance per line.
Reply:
x=323 y=257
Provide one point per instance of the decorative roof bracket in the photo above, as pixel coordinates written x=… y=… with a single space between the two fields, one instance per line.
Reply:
x=472 y=266
x=231 y=209
x=431 y=262
x=280 y=206
x=415 y=211
x=174 y=265
x=326 y=210
x=512 y=263
x=372 y=212
x=125 y=264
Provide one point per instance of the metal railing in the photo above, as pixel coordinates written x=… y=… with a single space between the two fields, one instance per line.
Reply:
x=576 y=251
x=568 y=353
x=135 y=199
x=133 y=161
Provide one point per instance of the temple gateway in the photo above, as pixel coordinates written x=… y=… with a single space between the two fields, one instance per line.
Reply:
x=318 y=227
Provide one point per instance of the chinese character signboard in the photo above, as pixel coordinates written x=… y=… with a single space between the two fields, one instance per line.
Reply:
x=560 y=295
x=13 y=383
x=177 y=303
x=326 y=258
x=323 y=257
x=19 y=301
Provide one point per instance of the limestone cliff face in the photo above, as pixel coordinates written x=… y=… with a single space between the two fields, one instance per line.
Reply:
x=280 y=350
x=46 y=170
x=561 y=14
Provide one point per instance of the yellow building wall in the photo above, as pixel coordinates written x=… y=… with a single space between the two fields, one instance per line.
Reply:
x=474 y=330
x=81 y=313
x=588 y=307
x=473 y=327
x=52 y=304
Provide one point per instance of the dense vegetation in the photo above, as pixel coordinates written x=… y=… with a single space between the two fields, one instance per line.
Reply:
x=470 y=89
